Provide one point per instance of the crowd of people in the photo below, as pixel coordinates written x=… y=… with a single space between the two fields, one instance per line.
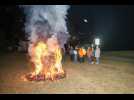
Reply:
x=92 y=55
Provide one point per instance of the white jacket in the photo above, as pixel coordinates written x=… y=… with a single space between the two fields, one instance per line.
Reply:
x=97 y=53
x=75 y=52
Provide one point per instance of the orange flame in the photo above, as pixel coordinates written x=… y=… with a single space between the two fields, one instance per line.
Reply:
x=47 y=59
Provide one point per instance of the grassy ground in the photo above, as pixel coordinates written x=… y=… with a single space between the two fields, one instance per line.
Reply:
x=115 y=74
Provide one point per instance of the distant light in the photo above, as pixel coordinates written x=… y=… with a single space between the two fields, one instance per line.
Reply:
x=97 y=41
x=85 y=20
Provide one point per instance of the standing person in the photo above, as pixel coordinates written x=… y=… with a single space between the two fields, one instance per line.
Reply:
x=81 y=53
x=93 y=55
x=84 y=53
x=89 y=55
x=71 y=53
x=75 y=55
x=97 y=55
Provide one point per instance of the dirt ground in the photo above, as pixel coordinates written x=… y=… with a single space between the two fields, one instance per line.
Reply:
x=115 y=74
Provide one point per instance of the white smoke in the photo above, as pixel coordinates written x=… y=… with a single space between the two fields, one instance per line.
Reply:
x=45 y=21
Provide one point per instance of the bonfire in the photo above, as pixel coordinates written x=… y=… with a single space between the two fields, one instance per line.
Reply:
x=46 y=58
x=47 y=33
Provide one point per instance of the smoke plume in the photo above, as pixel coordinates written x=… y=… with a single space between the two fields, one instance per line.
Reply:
x=44 y=21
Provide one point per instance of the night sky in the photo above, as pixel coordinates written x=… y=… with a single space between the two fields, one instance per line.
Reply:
x=113 y=24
